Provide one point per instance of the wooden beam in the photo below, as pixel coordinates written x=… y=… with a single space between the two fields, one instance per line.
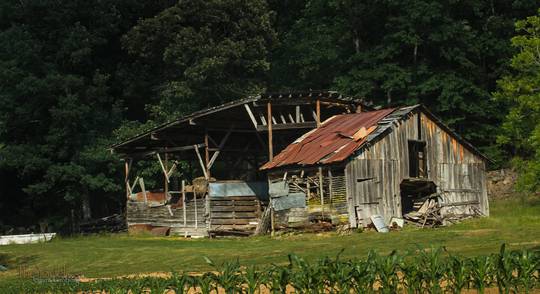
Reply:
x=203 y=167
x=270 y=144
x=251 y=116
x=263 y=120
x=277 y=127
x=220 y=148
x=297 y=109
x=283 y=120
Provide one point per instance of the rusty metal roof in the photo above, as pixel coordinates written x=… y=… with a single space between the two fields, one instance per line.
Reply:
x=343 y=135
x=335 y=140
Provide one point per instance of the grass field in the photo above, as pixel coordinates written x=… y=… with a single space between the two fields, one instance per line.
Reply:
x=514 y=222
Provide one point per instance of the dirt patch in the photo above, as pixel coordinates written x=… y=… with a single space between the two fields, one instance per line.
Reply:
x=501 y=183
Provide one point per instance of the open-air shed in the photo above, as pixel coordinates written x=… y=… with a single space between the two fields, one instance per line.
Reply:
x=210 y=161
x=378 y=163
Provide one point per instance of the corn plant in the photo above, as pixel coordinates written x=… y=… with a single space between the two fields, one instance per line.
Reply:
x=481 y=272
x=278 y=278
x=338 y=275
x=434 y=268
x=412 y=276
x=364 y=275
x=179 y=282
x=306 y=278
x=504 y=269
x=205 y=283
x=229 y=275
x=458 y=275
x=252 y=278
x=387 y=268
x=528 y=265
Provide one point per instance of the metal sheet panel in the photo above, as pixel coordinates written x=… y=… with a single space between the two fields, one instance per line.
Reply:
x=293 y=200
x=238 y=188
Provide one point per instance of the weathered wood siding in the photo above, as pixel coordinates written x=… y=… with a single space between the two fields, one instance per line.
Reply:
x=374 y=176
x=141 y=213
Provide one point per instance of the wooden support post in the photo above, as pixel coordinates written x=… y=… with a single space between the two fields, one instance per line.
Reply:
x=297 y=108
x=203 y=167
x=270 y=143
x=141 y=183
x=318 y=113
x=272 y=219
x=330 y=188
x=127 y=165
x=196 y=212
x=166 y=177
x=184 y=201
x=308 y=189
x=321 y=190
x=206 y=155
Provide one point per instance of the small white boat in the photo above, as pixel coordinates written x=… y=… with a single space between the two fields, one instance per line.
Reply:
x=26 y=238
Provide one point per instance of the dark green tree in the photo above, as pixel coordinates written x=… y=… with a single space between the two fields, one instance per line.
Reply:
x=59 y=104
x=521 y=91
x=200 y=53
x=445 y=54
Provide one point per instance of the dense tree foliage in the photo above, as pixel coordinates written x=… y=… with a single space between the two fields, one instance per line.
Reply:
x=76 y=76
x=520 y=134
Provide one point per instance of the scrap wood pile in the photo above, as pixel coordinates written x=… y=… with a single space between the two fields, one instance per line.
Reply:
x=112 y=224
x=428 y=214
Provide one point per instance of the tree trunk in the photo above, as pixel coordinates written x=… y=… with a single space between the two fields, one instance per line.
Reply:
x=86 y=212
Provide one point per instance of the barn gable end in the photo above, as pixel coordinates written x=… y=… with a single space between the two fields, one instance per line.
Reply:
x=376 y=174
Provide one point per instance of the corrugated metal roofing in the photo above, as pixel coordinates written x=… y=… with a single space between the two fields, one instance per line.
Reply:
x=336 y=139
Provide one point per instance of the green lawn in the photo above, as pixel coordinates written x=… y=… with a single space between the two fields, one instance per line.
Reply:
x=514 y=222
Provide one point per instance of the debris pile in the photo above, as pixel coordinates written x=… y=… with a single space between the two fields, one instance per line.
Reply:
x=112 y=224
x=429 y=214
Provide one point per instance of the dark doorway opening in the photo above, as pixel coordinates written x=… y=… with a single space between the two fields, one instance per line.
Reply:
x=417 y=159
x=414 y=192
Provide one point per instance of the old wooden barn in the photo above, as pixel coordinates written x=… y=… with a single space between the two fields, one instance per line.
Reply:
x=338 y=161
x=389 y=163
x=209 y=180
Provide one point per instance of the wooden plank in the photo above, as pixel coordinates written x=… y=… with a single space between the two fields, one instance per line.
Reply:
x=228 y=198
x=234 y=202
x=215 y=209
x=218 y=215
x=251 y=116
x=231 y=221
